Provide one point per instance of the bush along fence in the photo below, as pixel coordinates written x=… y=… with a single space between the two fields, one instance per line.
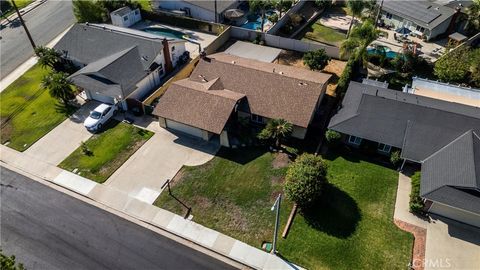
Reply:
x=183 y=22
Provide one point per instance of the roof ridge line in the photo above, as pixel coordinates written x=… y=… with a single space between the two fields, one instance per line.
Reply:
x=448 y=144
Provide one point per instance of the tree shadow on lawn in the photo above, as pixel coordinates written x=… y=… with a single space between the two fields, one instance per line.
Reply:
x=357 y=155
x=242 y=155
x=336 y=213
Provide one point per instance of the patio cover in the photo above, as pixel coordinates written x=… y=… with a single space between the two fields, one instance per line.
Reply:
x=457 y=37
x=253 y=51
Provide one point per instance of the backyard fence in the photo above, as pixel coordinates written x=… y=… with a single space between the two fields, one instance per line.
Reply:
x=282 y=42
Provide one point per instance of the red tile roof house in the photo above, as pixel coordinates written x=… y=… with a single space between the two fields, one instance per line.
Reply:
x=223 y=87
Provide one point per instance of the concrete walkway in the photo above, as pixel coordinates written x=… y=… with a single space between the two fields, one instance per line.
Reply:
x=121 y=201
x=448 y=244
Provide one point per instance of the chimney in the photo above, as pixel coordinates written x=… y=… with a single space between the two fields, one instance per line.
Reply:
x=166 y=55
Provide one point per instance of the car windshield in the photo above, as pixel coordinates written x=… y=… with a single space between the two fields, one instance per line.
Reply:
x=95 y=115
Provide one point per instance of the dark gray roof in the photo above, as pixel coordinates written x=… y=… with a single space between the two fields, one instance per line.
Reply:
x=88 y=43
x=423 y=13
x=457 y=165
x=222 y=5
x=458 y=198
x=121 y=70
x=419 y=125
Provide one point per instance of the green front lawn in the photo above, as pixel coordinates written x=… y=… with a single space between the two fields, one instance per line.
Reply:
x=20 y=4
x=320 y=33
x=351 y=228
x=109 y=150
x=28 y=112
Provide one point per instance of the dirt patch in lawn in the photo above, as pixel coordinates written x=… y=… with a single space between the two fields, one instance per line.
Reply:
x=277 y=180
x=281 y=160
x=291 y=58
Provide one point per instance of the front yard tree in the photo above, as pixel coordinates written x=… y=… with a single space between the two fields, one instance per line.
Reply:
x=356 y=7
x=59 y=86
x=47 y=57
x=277 y=130
x=316 y=60
x=89 y=11
x=305 y=180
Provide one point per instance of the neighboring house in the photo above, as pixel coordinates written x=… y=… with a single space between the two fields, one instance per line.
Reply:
x=202 y=10
x=421 y=17
x=118 y=64
x=223 y=88
x=125 y=17
x=444 y=91
x=440 y=135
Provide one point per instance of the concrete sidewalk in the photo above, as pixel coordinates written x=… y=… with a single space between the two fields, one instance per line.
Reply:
x=121 y=201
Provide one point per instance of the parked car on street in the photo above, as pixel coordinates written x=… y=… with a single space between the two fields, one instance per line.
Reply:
x=99 y=116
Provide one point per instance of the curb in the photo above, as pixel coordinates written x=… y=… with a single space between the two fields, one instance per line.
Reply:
x=23 y=11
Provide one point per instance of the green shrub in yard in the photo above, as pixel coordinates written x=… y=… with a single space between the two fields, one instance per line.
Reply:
x=332 y=137
x=8 y=263
x=346 y=76
x=316 y=60
x=416 y=203
x=273 y=18
x=395 y=157
x=305 y=179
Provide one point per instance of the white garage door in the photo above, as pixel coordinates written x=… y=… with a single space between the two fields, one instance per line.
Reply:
x=184 y=128
x=100 y=97
x=456 y=214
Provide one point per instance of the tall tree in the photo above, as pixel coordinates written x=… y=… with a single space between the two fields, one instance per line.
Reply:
x=260 y=6
x=89 y=11
x=473 y=17
x=59 y=86
x=47 y=57
x=356 y=45
x=282 y=5
x=356 y=7
x=277 y=130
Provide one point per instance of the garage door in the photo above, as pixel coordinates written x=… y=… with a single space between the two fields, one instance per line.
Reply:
x=100 y=97
x=184 y=128
x=456 y=214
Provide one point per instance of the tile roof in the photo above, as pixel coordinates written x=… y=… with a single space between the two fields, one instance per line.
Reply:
x=205 y=105
x=272 y=90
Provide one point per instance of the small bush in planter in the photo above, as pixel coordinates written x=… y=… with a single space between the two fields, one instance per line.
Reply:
x=395 y=158
x=332 y=137
x=416 y=203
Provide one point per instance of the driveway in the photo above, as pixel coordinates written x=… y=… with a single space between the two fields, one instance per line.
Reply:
x=159 y=159
x=59 y=143
x=449 y=244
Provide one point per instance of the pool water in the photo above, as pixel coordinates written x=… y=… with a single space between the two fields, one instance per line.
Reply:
x=169 y=33
x=388 y=53
x=255 y=23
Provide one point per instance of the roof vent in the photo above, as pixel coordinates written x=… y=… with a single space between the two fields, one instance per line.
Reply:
x=273 y=70
x=145 y=58
x=233 y=62
x=302 y=84
x=281 y=72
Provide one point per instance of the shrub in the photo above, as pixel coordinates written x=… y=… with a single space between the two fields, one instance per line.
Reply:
x=8 y=263
x=85 y=150
x=323 y=3
x=395 y=157
x=316 y=60
x=273 y=18
x=346 y=76
x=416 y=203
x=305 y=179
x=292 y=150
x=332 y=137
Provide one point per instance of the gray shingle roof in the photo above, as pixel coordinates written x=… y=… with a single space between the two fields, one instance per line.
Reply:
x=123 y=68
x=419 y=125
x=455 y=165
x=88 y=43
x=423 y=13
x=458 y=198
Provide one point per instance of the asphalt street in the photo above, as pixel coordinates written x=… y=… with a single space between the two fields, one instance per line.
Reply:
x=47 y=229
x=44 y=23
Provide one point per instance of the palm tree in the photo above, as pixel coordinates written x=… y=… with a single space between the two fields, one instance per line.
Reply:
x=473 y=17
x=360 y=37
x=47 y=57
x=276 y=129
x=260 y=5
x=59 y=86
x=356 y=7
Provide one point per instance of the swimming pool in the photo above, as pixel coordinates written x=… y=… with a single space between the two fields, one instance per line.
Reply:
x=255 y=23
x=388 y=53
x=166 y=32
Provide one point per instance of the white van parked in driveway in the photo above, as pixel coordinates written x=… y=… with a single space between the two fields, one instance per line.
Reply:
x=99 y=116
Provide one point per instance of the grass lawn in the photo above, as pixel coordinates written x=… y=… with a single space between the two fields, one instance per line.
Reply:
x=20 y=4
x=34 y=111
x=320 y=33
x=145 y=4
x=351 y=228
x=110 y=149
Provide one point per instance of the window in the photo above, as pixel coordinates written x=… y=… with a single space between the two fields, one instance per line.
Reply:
x=136 y=12
x=385 y=148
x=389 y=15
x=420 y=29
x=125 y=18
x=257 y=118
x=354 y=140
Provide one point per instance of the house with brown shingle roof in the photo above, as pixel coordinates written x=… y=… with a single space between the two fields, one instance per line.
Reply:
x=225 y=87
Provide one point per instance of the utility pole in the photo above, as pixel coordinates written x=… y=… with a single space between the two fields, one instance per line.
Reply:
x=378 y=14
x=276 y=206
x=24 y=25
x=216 y=19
